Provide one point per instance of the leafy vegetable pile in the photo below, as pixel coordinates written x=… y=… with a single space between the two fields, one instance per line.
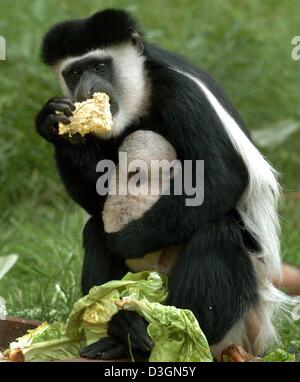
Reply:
x=280 y=355
x=175 y=332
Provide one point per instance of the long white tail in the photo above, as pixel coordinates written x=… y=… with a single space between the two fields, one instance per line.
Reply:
x=258 y=209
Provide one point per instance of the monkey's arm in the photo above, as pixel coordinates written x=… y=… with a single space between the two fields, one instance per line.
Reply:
x=77 y=169
x=189 y=123
x=100 y=266
x=76 y=159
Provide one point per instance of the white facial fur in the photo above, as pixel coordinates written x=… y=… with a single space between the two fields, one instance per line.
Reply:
x=134 y=86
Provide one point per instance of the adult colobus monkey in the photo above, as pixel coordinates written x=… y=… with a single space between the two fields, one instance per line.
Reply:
x=230 y=246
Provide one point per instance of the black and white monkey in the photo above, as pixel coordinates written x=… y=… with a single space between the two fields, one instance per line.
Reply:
x=229 y=244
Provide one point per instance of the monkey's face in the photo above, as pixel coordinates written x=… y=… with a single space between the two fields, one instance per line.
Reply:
x=88 y=75
x=118 y=71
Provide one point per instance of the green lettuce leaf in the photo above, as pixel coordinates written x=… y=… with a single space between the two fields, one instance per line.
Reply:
x=295 y=349
x=47 y=342
x=92 y=313
x=175 y=332
x=279 y=355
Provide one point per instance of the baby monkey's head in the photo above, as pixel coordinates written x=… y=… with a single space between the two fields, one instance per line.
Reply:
x=149 y=156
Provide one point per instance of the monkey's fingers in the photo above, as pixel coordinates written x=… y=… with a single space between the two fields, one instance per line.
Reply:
x=55 y=119
x=106 y=348
x=63 y=108
x=63 y=100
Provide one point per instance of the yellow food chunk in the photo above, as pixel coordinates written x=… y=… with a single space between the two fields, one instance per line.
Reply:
x=90 y=116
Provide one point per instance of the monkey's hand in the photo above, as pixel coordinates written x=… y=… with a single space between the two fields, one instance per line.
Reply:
x=57 y=109
x=126 y=329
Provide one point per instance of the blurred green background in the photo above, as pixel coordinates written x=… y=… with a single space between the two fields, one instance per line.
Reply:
x=246 y=46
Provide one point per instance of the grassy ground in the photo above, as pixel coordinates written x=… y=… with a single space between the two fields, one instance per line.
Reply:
x=246 y=47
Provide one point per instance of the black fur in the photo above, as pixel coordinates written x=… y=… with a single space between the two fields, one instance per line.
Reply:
x=182 y=114
x=76 y=164
x=214 y=278
x=76 y=37
x=98 y=266
x=106 y=348
x=213 y=269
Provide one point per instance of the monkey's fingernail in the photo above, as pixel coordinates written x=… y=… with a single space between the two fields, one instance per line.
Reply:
x=68 y=113
x=65 y=120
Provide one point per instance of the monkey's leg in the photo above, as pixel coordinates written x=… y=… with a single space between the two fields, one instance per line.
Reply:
x=214 y=278
x=99 y=265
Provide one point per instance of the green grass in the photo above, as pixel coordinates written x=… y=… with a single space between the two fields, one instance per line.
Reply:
x=246 y=47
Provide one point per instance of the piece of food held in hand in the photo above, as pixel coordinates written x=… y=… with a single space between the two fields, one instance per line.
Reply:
x=90 y=116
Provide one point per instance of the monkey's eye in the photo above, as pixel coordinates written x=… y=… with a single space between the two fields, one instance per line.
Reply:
x=101 y=67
